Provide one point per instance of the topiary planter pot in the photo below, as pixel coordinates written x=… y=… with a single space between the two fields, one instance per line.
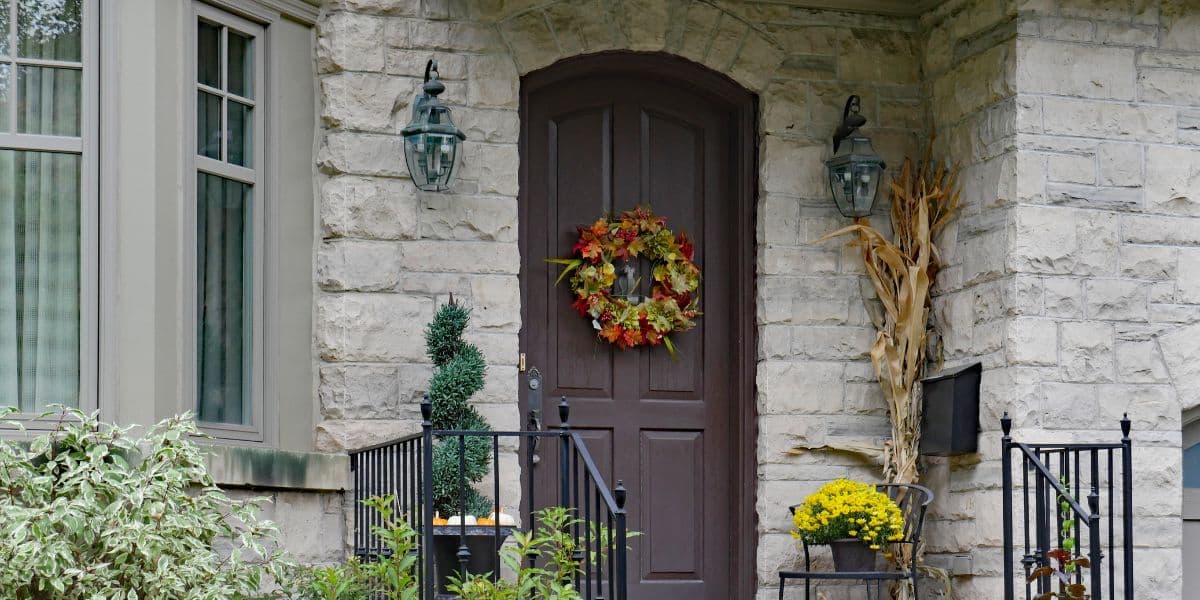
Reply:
x=852 y=556
x=482 y=543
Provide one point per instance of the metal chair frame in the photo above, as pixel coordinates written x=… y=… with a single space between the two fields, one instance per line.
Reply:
x=913 y=508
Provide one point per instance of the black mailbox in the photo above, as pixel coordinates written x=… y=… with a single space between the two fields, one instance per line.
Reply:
x=950 y=418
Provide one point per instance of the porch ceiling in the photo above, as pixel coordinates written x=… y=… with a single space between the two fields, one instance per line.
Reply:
x=902 y=8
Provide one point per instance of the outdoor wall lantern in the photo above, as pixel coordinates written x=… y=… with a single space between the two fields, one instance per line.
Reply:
x=432 y=144
x=855 y=169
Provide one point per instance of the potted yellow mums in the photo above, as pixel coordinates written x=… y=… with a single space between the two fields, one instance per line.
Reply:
x=855 y=519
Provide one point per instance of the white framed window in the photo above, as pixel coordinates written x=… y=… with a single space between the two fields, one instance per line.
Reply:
x=225 y=224
x=49 y=267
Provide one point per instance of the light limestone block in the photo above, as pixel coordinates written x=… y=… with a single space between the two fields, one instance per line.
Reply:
x=358 y=265
x=582 y=25
x=372 y=327
x=359 y=392
x=1086 y=351
x=493 y=81
x=467 y=217
x=793 y=168
x=1108 y=120
x=362 y=154
x=350 y=42
x=1173 y=180
x=1032 y=341
x=1148 y=262
x=531 y=40
x=1116 y=299
x=1075 y=70
x=364 y=101
x=445 y=256
x=1071 y=168
x=368 y=208
x=1120 y=165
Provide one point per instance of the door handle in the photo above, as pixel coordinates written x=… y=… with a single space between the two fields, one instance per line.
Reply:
x=534 y=381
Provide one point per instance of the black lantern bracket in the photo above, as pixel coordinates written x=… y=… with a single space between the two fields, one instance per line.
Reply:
x=852 y=119
x=427 y=103
x=433 y=86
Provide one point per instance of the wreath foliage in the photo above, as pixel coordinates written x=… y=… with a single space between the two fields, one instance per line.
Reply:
x=673 y=304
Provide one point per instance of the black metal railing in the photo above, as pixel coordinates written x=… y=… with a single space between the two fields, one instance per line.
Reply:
x=404 y=469
x=1056 y=481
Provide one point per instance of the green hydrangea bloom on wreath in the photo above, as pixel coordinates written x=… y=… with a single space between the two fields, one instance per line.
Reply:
x=673 y=304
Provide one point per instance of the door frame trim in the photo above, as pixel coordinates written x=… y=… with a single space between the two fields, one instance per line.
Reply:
x=743 y=409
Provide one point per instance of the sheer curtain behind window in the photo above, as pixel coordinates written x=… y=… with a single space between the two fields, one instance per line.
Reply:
x=40 y=199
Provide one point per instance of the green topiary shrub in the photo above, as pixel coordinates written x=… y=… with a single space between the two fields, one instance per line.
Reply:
x=458 y=374
x=87 y=511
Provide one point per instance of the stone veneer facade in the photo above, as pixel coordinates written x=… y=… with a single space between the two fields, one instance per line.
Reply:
x=1072 y=269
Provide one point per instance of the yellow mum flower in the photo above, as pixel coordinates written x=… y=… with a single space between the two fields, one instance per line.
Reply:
x=845 y=508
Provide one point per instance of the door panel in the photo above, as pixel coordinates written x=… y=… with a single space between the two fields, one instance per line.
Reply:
x=602 y=142
x=674 y=532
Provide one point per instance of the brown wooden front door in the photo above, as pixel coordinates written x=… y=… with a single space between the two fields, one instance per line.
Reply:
x=602 y=135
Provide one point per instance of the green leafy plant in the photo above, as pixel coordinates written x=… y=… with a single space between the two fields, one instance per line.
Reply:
x=555 y=553
x=338 y=582
x=459 y=370
x=1066 y=562
x=551 y=545
x=394 y=573
x=91 y=511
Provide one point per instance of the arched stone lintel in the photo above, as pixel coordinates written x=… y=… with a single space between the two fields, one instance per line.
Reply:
x=695 y=30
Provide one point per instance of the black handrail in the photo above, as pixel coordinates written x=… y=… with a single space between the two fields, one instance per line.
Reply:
x=404 y=468
x=1058 y=482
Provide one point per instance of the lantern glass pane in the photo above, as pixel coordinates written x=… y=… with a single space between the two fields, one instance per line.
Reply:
x=866 y=183
x=432 y=160
x=414 y=155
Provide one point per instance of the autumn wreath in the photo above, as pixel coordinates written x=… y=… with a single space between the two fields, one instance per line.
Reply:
x=620 y=318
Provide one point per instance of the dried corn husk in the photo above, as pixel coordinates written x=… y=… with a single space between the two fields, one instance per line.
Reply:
x=902 y=270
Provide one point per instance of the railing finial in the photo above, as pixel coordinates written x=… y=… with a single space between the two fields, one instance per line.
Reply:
x=564 y=412
x=426 y=410
x=619 y=494
x=1126 y=425
x=1006 y=424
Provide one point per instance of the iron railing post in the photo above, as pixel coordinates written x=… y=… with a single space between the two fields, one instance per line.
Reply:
x=1006 y=460
x=564 y=452
x=1096 y=554
x=1042 y=507
x=428 y=585
x=619 y=495
x=464 y=553
x=1127 y=501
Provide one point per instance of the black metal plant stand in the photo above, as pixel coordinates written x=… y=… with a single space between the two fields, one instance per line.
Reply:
x=914 y=501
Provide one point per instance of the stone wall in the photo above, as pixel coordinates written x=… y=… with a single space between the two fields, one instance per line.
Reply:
x=1082 y=126
x=969 y=71
x=1103 y=237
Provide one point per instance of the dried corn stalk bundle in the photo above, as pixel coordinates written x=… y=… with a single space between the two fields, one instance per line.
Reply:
x=902 y=271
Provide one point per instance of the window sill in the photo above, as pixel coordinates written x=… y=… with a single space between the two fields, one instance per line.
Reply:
x=248 y=467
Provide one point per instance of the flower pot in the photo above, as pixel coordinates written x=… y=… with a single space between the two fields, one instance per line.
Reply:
x=481 y=542
x=852 y=556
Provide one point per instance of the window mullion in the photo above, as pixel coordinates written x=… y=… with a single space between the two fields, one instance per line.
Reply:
x=45 y=62
x=223 y=59
x=12 y=71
